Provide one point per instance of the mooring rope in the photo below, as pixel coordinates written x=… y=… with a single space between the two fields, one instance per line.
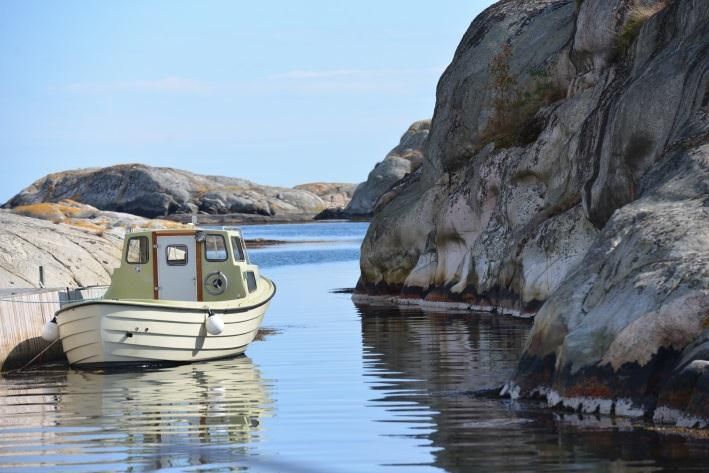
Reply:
x=69 y=300
x=32 y=360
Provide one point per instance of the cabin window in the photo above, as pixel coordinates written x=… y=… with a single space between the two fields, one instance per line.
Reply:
x=137 y=252
x=176 y=255
x=251 y=281
x=239 y=254
x=215 y=248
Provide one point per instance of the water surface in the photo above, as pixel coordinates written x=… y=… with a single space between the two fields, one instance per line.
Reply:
x=320 y=231
x=332 y=388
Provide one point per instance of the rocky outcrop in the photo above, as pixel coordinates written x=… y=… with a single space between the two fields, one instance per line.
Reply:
x=71 y=255
x=158 y=192
x=457 y=227
x=77 y=244
x=335 y=195
x=403 y=159
x=588 y=205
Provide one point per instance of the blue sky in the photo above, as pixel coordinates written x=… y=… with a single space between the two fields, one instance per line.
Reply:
x=277 y=92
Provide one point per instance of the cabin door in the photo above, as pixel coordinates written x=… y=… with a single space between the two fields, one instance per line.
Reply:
x=177 y=268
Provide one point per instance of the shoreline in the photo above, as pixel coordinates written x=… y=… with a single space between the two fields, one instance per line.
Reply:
x=661 y=417
x=446 y=306
x=255 y=219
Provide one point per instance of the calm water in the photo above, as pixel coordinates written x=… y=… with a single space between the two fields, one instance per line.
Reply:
x=333 y=388
x=322 y=231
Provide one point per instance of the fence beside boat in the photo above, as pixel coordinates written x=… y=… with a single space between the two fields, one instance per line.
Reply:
x=23 y=312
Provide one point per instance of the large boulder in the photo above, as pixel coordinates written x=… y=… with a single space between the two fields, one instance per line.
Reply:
x=588 y=206
x=334 y=194
x=406 y=157
x=157 y=192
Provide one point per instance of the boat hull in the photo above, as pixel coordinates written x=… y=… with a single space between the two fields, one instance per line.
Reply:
x=106 y=332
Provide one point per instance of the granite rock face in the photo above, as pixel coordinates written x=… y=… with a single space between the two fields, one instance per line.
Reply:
x=591 y=212
x=157 y=192
x=459 y=226
x=406 y=157
x=77 y=244
x=71 y=256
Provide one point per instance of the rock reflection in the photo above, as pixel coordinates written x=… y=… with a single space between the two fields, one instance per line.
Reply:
x=198 y=414
x=436 y=360
x=425 y=365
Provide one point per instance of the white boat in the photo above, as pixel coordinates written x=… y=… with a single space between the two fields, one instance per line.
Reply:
x=179 y=296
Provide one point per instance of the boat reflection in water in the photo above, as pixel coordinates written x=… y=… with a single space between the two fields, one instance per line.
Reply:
x=205 y=413
x=426 y=366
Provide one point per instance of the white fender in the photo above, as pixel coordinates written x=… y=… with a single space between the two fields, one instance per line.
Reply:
x=215 y=324
x=50 y=330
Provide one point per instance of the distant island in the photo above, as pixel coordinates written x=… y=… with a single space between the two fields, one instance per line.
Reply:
x=159 y=192
x=174 y=194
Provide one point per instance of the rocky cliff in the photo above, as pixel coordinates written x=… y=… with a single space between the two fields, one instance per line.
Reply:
x=567 y=176
x=158 y=192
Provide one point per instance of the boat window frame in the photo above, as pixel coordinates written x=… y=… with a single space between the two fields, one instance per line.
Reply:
x=238 y=242
x=178 y=246
x=226 y=249
x=251 y=281
x=144 y=250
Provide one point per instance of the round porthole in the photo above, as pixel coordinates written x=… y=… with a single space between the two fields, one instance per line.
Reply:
x=216 y=283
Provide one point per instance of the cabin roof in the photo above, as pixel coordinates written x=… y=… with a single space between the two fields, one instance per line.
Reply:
x=185 y=231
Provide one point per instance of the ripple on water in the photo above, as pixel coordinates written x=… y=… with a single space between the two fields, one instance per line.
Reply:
x=154 y=418
x=334 y=387
x=426 y=366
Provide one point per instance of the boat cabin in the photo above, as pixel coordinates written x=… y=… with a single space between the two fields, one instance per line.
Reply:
x=184 y=265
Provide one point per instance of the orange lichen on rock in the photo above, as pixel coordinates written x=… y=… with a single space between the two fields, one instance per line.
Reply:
x=167 y=224
x=55 y=210
x=89 y=218
x=84 y=225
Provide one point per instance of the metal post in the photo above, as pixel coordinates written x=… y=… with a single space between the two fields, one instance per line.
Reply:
x=41 y=276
